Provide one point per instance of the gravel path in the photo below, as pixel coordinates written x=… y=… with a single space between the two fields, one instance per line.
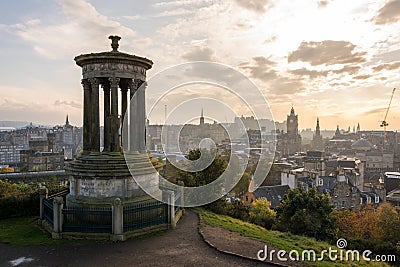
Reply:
x=180 y=247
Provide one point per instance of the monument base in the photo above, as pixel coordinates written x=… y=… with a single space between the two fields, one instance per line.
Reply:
x=96 y=179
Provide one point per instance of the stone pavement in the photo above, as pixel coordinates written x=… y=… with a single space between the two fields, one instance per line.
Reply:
x=183 y=246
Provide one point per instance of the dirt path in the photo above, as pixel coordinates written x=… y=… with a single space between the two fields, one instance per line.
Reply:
x=241 y=245
x=180 y=247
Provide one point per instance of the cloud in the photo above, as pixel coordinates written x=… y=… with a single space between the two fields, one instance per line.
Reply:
x=387 y=66
x=135 y=17
x=389 y=13
x=344 y=84
x=179 y=3
x=80 y=28
x=347 y=69
x=323 y=3
x=362 y=77
x=375 y=111
x=286 y=86
x=200 y=54
x=389 y=56
x=173 y=12
x=257 y=6
x=313 y=74
x=327 y=52
x=277 y=87
x=68 y=103
x=35 y=111
x=271 y=39
x=11 y=104
x=261 y=69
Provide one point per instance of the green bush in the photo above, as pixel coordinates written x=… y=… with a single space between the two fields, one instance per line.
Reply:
x=306 y=212
x=237 y=209
x=261 y=213
x=21 y=199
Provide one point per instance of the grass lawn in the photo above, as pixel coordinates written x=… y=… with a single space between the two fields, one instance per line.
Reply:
x=280 y=240
x=23 y=231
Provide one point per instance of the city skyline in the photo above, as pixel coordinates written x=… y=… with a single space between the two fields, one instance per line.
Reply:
x=335 y=60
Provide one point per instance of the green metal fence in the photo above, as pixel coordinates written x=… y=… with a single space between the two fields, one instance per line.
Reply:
x=87 y=220
x=144 y=214
x=48 y=211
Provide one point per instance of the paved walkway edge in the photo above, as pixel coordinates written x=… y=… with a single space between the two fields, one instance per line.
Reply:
x=228 y=252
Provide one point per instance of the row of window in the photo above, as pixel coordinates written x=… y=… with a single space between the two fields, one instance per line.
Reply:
x=368 y=200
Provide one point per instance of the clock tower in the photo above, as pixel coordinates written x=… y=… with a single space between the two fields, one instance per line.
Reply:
x=289 y=143
x=292 y=124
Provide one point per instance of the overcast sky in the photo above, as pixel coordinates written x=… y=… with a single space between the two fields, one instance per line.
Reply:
x=337 y=60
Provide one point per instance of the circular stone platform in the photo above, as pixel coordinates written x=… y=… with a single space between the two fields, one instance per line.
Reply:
x=98 y=178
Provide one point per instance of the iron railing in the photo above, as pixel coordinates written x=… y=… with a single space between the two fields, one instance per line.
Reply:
x=48 y=211
x=87 y=220
x=144 y=214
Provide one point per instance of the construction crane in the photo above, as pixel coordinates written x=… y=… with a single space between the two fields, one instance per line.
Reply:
x=384 y=123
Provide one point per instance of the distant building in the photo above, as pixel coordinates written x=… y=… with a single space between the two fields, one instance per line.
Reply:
x=345 y=195
x=392 y=181
x=40 y=157
x=340 y=177
x=11 y=143
x=41 y=161
x=393 y=198
x=10 y=153
x=182 y=138
x=274 y=194
x=67 y=138
x=317 y=142
x=290 y=142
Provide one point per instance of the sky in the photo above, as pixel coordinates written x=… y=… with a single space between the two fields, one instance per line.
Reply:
x=335 y=59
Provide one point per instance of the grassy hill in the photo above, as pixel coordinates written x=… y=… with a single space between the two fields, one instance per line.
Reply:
x=280 y=240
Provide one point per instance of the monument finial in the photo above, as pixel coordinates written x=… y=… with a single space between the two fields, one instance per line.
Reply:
x=114 y=42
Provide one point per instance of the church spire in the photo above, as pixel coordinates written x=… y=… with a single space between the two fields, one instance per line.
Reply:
x=317 y=129
x=202 y=117
x=337 y=133
x=292 y=111
x=67 y=121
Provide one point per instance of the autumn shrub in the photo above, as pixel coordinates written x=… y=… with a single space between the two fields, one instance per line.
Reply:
x=22 y=199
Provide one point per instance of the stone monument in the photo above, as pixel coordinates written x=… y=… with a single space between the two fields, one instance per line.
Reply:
x=99 y=176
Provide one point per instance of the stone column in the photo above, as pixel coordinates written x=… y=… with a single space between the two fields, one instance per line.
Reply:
x=95 y=122
x=141 y=117
x=133 y=144
x=87 y=118
x=107 y=126
x=181 y=190
x=124 y=103
x=43 y=193
x=58 y=204
x=114 y=83
x=117 y=220
x=168 y=197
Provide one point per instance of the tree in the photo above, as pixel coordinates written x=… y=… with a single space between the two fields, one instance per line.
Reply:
x=307 y=213
x=347 y=223
x=261 y=213
x=388 y=224
x=243 y=185
x=237 y=209
x=272 y=172
x=366 y=223
x=206 y=176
